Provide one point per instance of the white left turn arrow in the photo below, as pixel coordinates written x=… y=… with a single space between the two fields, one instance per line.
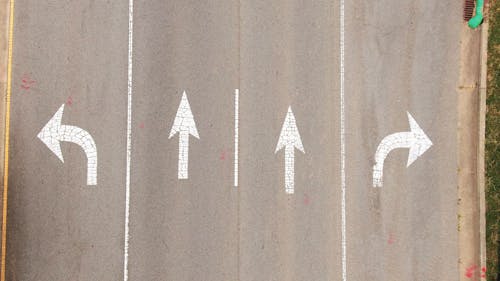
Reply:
x=416 y=140
x=184 y=125
x=54 y=132
x=290 y=139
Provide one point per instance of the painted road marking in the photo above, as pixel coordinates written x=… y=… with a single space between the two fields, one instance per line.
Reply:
x=290 y=139
x=7 y=140
x=184 y=125
x=236 y=134
x=54 y=132
x=342 y=140
x=416 y=140
x=129 y=135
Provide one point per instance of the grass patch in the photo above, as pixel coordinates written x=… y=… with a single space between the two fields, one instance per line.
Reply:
x=493 y=144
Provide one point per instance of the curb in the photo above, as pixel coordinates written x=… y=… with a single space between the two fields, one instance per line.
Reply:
x=483 y=76
x=471 y=111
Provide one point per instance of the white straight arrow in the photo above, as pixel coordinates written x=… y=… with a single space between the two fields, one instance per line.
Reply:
x=416 y=140
x=290 y=139
x=53 y=133
x=184 y=125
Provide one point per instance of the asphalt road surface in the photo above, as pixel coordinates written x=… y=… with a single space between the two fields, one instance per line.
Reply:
x=186 y=218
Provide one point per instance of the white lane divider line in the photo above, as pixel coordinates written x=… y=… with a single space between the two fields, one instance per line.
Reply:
x=236 y=134
x=342 y=140
x=129 y=135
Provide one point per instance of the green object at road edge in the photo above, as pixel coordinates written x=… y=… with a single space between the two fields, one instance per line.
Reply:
x=478 y=18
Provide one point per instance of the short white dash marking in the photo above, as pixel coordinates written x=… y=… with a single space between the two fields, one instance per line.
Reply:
x=236 y=134
x=342 y=140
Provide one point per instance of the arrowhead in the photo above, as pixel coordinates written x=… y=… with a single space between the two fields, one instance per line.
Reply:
x=184 y=120
x=289 y=135
x=421 y=142
x=49 y=135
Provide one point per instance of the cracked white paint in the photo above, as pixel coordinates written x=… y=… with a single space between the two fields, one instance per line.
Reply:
x=53 y=133
x=343 y=184
x=184 y=125
x=290 y=139
x=416 y=140
x=130 y=59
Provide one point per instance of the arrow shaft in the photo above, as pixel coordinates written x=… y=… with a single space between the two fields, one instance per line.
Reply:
x=183 y=155
x=289 y=169
x=83 y=139
x=389 y=143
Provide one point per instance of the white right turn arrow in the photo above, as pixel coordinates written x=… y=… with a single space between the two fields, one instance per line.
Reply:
x=290 y=139
x=416 y=140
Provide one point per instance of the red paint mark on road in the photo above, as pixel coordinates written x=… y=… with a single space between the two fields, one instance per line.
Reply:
x=69 y=102
x=27 y=82
x=307 y=200
x=469 y=272
x=391 y=239
x=222 y=155
x=483 y=270
x=141 y=125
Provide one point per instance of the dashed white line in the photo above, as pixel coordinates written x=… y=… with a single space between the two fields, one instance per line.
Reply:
x=342 y=140
x=236 y=134
x=129 y=135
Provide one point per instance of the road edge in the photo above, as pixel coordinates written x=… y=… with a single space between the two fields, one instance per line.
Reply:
x=4 y=35
x=6 y=30
x=470 y=152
